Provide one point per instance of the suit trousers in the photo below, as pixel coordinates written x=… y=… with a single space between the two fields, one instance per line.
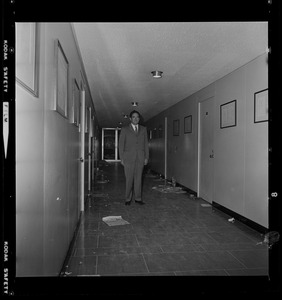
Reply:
x=133 y=177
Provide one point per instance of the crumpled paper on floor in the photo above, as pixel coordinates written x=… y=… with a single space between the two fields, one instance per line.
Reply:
x=114 y=220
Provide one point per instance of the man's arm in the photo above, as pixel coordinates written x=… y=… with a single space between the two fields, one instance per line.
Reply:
x=146 y=145
x=121 y=144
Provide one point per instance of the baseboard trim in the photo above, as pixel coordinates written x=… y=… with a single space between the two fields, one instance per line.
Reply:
x=240 y=218
x=64 y=267
x=186 y=189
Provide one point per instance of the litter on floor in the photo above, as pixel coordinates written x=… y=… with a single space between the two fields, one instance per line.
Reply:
x=114 y=220
x=168 y=189
x=205 y=205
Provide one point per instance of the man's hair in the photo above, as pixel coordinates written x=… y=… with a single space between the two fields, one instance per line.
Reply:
x=136 y=112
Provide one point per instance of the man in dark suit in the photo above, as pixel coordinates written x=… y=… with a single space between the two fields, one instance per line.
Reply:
x=134 y=154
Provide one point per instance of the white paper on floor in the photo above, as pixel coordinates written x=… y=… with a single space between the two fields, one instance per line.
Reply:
x=205 y=205
x=114 y=220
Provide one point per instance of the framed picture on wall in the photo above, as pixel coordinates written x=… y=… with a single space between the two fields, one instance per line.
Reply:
x=261 y=106
x=75 y=103
x=188 y=124
x=27 y=55
x=176 y=127
x=228 y=114
x=62 y=79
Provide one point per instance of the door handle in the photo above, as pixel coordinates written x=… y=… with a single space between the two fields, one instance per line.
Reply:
x=81 y=159
x=212 y=155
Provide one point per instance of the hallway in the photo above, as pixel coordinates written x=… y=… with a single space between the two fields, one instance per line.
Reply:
x=172 y=235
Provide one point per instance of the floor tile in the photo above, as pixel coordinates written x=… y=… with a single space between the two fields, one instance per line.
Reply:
x=178 y=262
x=124 y=240
x=252 y=258
x=121 y=264
x=161 y=239
x=201 y=238
x=224 y=260
x=202 y=273
x=230 y=237
x=248 y=272
x=175 y=248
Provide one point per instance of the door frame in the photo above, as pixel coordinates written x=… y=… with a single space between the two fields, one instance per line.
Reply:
x=89 y=149
x=116 y=144
x=199 y=151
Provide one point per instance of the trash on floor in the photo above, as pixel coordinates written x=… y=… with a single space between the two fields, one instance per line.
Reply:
x=67 y=273
x=232 y=220
x=168 y=189
x=270 y=238
x=114 y=220
x=103 y=181
x=205 y=205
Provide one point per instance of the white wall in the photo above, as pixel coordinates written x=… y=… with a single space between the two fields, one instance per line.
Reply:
x=29 y=178
x=256 y=166
x=240 y=153
x=47 y=153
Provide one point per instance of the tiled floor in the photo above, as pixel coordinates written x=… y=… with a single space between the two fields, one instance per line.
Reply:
x=171 y=235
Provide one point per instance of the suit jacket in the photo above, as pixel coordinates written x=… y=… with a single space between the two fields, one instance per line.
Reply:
x=133 y=146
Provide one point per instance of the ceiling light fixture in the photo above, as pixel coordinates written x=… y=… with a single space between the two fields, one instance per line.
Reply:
x=134 y=103
x=157 y=74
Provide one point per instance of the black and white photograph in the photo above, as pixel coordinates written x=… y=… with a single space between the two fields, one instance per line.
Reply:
x=111 y=186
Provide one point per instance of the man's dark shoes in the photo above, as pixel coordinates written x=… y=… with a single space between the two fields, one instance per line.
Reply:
x=127 y=202
x=140 y=202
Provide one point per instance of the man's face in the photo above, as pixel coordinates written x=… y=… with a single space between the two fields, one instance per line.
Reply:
x=135 y=118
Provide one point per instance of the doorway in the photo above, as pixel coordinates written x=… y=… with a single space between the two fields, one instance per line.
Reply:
x=110 y=138
x=206 y=153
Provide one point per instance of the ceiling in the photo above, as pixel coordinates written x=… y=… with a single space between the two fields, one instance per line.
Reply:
x=119 y=57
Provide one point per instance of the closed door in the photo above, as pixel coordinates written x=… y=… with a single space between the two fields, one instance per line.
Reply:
x=82 y=152
x=206 y=154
